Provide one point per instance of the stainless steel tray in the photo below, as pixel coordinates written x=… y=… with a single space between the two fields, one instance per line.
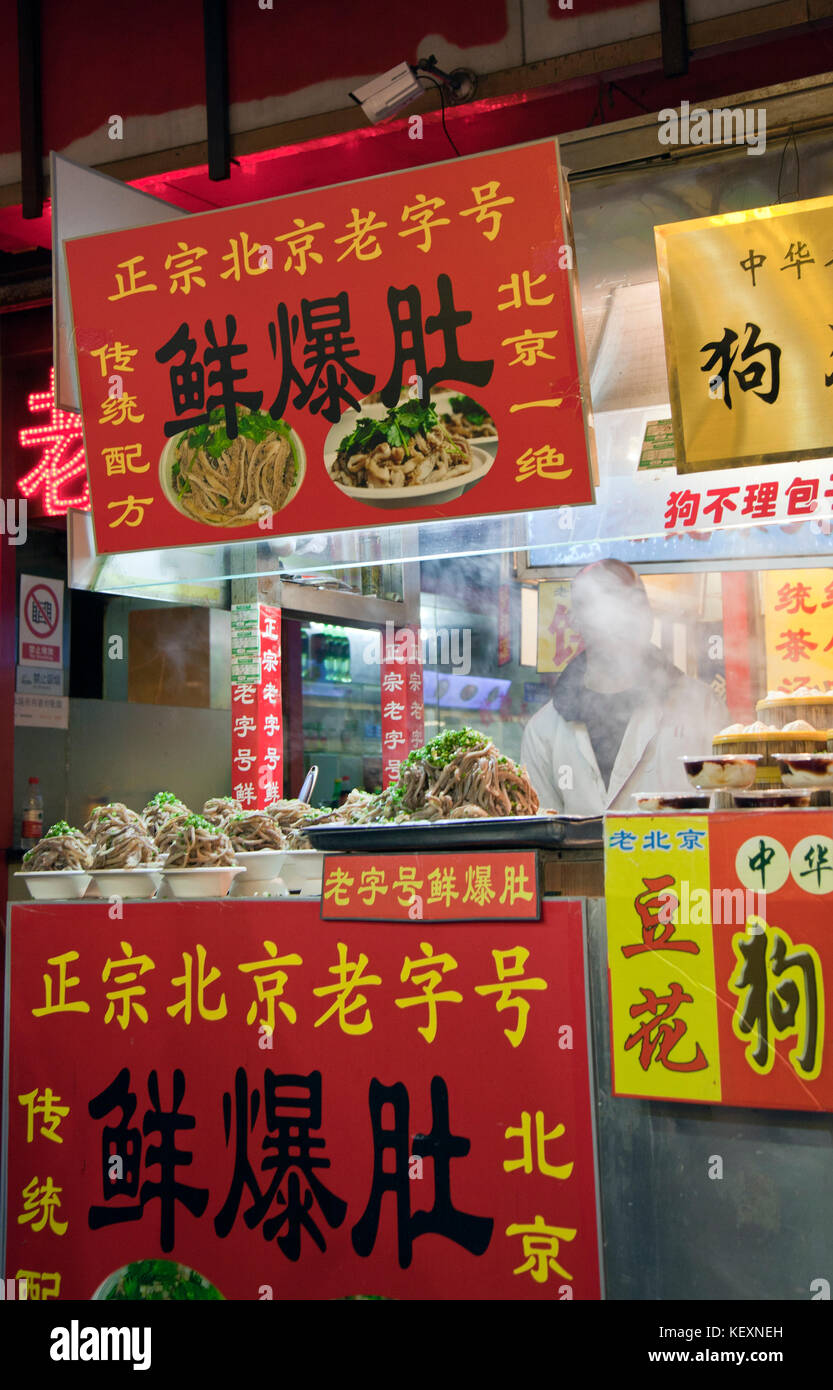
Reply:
x=499 y=832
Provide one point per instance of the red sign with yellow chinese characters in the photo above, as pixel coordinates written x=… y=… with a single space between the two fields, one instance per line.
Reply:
x=300 y=364
x=432 y=887
x=720 y=957
x=296 y=1110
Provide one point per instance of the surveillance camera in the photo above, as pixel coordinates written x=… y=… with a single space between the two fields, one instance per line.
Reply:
x=385 y=95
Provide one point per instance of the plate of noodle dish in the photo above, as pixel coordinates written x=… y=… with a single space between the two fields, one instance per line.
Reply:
x=226 y=482
x=457 y=791
x=401 y=458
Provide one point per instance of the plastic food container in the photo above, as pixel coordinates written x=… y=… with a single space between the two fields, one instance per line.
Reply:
x=671 y=801
x=208 y=881
x=770 y=798
x=260 y=865
x=127 y=883
x=56 y=885
x=806 y=769
x=302 y=871
x=716 y=771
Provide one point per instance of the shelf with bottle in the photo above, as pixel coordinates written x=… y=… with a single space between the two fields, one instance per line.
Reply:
x=325 y=701
x=31 y=827
x=325 y=655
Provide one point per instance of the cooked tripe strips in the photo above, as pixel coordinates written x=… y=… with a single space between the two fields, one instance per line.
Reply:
x=168 y=831
x=105 y=819
x=220 y=809
x=254 y=830
x=160 y=809
x=290 y=813
x=125 y=847
x=199 y=845
x=62 y=847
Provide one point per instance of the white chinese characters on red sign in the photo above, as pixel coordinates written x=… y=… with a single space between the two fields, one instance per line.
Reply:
x=257 y=723
x=403 y=718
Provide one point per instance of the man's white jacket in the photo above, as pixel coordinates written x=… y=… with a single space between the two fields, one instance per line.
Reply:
x=679 y=716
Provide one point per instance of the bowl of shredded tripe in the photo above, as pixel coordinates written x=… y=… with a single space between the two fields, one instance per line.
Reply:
x=220 y=481
x=403 y=457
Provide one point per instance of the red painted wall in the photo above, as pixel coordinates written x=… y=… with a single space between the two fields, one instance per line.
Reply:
x=147 y=58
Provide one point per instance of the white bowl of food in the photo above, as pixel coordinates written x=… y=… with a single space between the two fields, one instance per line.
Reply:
x=259 y=865
x=460 y=412
x=443 y=491
x=303 y=871
x=716 y=771
x=203 y=881
x=56 y=885
x=402 y=457
x=805 y=769
x=128 y=883
x=193 y=478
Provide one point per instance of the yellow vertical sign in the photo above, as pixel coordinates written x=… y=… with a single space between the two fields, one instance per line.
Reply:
x=798 y=622
x=663 y=1003
x=558 y=640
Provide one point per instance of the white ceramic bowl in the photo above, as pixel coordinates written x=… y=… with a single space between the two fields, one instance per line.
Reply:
x=260 y=865
x=443 y=491
x=211 y=881
x=168 y=458
x=303 y=870
x=128 y=883
x=56 y=885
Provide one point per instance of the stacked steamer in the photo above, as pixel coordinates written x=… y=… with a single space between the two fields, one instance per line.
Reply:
x=807 y=712
x=786 y=725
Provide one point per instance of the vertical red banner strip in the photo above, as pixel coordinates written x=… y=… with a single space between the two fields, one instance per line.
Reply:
x=257 y=723
x=403 y=711
x=270 y=721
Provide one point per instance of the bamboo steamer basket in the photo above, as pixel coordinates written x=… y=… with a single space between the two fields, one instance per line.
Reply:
x=782 y=709
x=768 y=773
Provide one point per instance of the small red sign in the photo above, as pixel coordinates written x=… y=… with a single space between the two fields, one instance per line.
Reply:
x=446 y=887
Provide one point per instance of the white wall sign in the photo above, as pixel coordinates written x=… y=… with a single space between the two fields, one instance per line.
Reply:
x=41 y=621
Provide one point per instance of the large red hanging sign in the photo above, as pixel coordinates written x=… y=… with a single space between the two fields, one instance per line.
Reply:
x=227 y=362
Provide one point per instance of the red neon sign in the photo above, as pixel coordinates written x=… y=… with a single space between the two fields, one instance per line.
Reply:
x=62 y=459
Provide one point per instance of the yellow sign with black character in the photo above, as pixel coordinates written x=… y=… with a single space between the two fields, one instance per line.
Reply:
x=747 y=339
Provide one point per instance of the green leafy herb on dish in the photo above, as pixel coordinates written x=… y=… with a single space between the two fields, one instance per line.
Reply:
x=161 y=1280
x=409 y=447
x=229 y=482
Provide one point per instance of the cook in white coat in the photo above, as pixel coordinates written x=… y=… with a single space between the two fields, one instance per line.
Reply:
x=622 y=715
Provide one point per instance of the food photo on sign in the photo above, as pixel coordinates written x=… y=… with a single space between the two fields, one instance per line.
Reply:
x=316 y=347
